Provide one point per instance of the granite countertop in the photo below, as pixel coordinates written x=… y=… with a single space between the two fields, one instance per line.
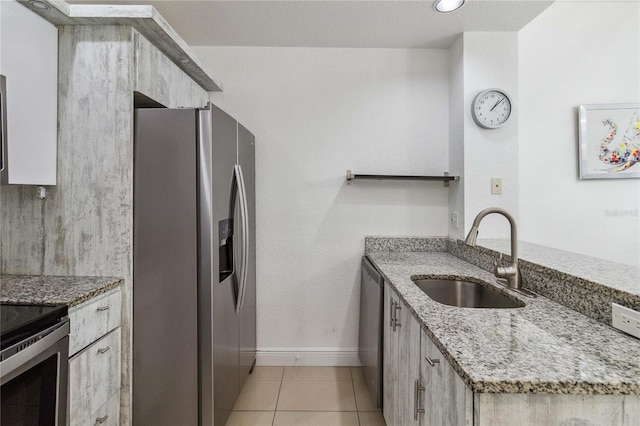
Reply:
x=617 y=276
x=70 y=291
x=543 y=347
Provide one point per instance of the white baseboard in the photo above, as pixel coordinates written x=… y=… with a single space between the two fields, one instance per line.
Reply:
x=340 y=357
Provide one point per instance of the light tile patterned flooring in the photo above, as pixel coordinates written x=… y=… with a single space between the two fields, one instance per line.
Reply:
x=305 y=396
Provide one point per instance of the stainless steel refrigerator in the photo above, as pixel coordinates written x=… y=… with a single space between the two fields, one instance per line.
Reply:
x=194 y=295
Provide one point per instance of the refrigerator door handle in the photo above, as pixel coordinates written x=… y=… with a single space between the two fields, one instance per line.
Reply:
x=244 y=250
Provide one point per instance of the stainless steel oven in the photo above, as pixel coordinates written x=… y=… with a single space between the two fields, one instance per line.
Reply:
x=34 y=365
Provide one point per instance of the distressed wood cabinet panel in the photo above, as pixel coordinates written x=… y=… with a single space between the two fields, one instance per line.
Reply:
x=109 y=413
x=553 y=409
x=94 y=377
x=447 y=400
x=93 y=319
x=401 y=361
x=161 y=80
x=89 y=214
x=390 y=366
x=408 y=366
x=21 y=230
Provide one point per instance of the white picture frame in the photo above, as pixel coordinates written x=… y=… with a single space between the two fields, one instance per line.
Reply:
x=609 y=141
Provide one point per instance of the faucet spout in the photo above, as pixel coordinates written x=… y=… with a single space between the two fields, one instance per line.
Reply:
x=472 y=236
x=511 y=272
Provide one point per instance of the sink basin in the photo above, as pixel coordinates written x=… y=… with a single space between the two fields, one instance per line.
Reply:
x=465 y=294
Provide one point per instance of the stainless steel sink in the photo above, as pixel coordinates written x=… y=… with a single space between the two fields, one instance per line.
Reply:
x=465 y=294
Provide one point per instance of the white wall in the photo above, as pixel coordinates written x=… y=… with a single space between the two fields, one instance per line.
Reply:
x=479 y=61
x=576 y=53
x=456 y=137
x=490 y=61
x=316 y=113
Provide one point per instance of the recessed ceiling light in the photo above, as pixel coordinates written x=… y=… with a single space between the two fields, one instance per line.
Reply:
x=445 y=6
x=39 y=5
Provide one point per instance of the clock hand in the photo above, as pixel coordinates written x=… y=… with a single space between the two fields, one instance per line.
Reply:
x=497 y=103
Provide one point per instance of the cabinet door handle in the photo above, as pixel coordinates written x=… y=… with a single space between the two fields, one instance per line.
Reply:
x=102 y=308
x=103 y=350
x=102 y=419
x=416 y=391
x=432 y=362
x=391 y=314
x=395 y=317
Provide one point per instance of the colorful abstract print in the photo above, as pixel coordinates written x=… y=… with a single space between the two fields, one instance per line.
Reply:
x=625 y=154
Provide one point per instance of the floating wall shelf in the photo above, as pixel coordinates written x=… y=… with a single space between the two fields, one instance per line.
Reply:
x=444 y=178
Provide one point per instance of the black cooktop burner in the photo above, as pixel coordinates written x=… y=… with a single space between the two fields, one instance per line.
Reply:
x=18 y=322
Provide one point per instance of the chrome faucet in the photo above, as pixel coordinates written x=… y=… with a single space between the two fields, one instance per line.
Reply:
x=511 y=272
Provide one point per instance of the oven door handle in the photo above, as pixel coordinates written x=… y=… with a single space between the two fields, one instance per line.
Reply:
x=51 y=336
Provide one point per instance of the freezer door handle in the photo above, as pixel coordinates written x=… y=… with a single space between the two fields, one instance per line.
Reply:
x=244 y=248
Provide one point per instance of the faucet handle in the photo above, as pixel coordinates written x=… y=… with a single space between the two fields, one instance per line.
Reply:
x=496 y=264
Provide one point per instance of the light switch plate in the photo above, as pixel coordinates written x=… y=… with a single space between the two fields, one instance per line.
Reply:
x=625 y=319
x=496 y=185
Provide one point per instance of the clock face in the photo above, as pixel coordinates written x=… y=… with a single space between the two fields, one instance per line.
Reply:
x=491 y=108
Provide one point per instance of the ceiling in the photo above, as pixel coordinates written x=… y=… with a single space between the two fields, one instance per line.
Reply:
x=334 y=23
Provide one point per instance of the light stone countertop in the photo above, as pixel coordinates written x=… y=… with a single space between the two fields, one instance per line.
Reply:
x=70 y=291
x=543 y=347
x=618 y=276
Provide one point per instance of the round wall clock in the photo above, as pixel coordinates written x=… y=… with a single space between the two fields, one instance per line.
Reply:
x=491 y=108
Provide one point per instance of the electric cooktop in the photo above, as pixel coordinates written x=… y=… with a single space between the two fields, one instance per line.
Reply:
x=18 y=322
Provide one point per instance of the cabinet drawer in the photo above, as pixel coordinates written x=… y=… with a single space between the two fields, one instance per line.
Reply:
x=93 y=319
x=109 y=413
x=94 y=377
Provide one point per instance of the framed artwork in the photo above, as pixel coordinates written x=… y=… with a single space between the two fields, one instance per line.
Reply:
x=609 y=141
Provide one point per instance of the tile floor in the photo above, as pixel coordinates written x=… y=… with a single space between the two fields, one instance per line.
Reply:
x=305 y=396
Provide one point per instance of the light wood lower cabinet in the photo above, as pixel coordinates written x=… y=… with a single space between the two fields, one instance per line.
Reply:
x=390 y=359
x=401 y=362
x=447 y=400
x=109 y=413
x=93 y=319
x=421 y=388
x=95 y=362
x=500 y=409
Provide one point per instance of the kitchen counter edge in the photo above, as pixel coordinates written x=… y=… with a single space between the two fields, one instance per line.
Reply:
x=48 y=289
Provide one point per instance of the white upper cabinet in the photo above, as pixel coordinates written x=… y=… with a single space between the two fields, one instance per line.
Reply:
x=29 y=61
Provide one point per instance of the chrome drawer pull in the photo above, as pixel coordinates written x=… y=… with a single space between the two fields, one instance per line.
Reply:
x=102 y=308
x=101 y=351
x=102 y=419
x=432 y=362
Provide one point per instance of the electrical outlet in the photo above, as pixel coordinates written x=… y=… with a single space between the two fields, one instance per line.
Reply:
x=454 y=219
x=496 y=185
x=625 y=319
